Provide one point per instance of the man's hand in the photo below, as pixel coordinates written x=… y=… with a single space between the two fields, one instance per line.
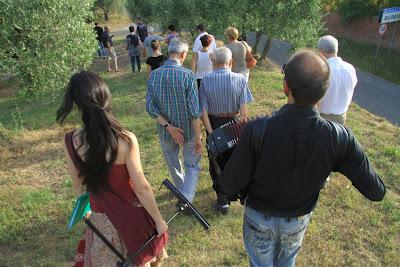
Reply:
x=176 y=133
x=198 y=146
x=243 y=118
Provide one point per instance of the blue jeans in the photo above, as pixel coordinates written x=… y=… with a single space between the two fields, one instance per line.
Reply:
x=273 y=241
x=184 y=180
x=135 y=60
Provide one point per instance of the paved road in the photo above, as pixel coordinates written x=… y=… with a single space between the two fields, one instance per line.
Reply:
x=373 y=93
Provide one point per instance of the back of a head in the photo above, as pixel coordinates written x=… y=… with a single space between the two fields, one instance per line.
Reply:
x=155 y=45
x=150 y=29
x=172 y=28
x=328 y=44
x=96 y=24
x=177 y=46
x=307 y=75
x=107 y=28
x=101 y=130
x=205 y=40
x=131 y=28
x=201 y=27
x=222 y=55
x=232 y=32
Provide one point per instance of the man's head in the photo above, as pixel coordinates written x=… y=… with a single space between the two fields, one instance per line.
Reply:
x=201 y=28
x=139 y=20
x=328 y=46
x=177 y=49
x=306 y=77
x=96 y=24
x=107 y=28
x=150 y=30
x=131 y=29
x=222 y=58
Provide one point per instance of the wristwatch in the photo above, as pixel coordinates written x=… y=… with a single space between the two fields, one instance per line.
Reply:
x=166 y=125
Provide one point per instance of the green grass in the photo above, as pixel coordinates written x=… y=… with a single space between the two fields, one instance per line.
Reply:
x=36 y=196
x=386 y=65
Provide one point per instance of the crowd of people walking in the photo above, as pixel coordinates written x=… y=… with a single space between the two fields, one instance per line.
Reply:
x=281 y=162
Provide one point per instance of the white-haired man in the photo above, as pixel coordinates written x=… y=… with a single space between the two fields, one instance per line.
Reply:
x=150 y=38
x=223 y=97
x=172 y=99
x=333 y=106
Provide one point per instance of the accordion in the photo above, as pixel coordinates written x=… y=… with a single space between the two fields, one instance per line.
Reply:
x=225 y=137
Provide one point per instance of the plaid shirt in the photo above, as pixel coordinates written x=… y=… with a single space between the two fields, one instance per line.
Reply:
x=172 y=93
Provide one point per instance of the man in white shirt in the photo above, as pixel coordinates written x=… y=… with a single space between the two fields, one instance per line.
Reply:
x=333 y=106
x=197 y=46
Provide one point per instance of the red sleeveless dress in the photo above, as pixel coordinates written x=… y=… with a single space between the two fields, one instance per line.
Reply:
x=121 y=205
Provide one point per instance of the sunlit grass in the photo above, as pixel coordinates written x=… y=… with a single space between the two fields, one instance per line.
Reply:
x=36 y=196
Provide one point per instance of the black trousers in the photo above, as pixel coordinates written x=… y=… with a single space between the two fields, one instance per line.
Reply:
x=216 y=165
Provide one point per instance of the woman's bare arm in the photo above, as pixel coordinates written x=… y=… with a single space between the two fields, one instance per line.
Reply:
x=141 y=187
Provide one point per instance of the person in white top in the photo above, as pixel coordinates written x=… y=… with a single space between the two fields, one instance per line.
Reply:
x=333 y=106
x=197 y=46
x=202 y=63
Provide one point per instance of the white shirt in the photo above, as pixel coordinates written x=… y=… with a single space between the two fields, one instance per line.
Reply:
x=341 y=87
x=197 y=46
x=204 y=64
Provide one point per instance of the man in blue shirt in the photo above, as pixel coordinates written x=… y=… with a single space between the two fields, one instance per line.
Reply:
x=172 y=100
x=223 y=97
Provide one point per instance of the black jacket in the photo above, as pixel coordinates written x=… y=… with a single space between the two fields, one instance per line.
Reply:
x=283 y=171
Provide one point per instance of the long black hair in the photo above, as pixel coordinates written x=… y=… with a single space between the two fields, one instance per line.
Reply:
x=100 y=128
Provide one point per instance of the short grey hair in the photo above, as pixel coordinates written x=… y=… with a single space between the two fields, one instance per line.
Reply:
x=150 y=29
x=177 y=46
x=222 y=55
x=328 y=44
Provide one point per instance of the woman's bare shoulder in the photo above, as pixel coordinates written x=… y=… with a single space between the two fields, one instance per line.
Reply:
x=127 y=142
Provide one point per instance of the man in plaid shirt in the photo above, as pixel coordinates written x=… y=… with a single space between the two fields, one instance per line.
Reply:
x=172 y=100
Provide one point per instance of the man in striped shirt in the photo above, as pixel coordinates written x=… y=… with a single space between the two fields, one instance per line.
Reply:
x=223 y=96
x=172 y=99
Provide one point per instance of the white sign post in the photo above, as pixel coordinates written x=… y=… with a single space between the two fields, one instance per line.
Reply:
x=388 y=15
x=382 y=29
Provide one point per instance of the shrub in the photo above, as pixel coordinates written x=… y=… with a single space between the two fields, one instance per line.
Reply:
x=351 y=9
x=44 y=41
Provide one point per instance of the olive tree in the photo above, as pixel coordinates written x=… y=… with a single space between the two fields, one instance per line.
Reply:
x=44 y=41
x=296 y=21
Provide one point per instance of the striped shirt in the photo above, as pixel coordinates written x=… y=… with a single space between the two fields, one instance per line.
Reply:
x=223 y=91
x=172 y=93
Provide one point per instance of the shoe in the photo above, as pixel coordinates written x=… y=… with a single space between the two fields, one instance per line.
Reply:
x=223 y=208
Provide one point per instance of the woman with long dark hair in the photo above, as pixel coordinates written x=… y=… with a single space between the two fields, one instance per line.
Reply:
x=104 y=159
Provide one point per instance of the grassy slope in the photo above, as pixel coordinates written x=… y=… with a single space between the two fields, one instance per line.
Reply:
x=36 y=198
x=386 y=65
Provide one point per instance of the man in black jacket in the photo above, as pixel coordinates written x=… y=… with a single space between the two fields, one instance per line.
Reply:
x=282 y=163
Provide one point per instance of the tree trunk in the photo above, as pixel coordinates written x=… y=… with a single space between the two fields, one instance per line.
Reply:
x=258 y=37
x=106 y=15
x=266 y=48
